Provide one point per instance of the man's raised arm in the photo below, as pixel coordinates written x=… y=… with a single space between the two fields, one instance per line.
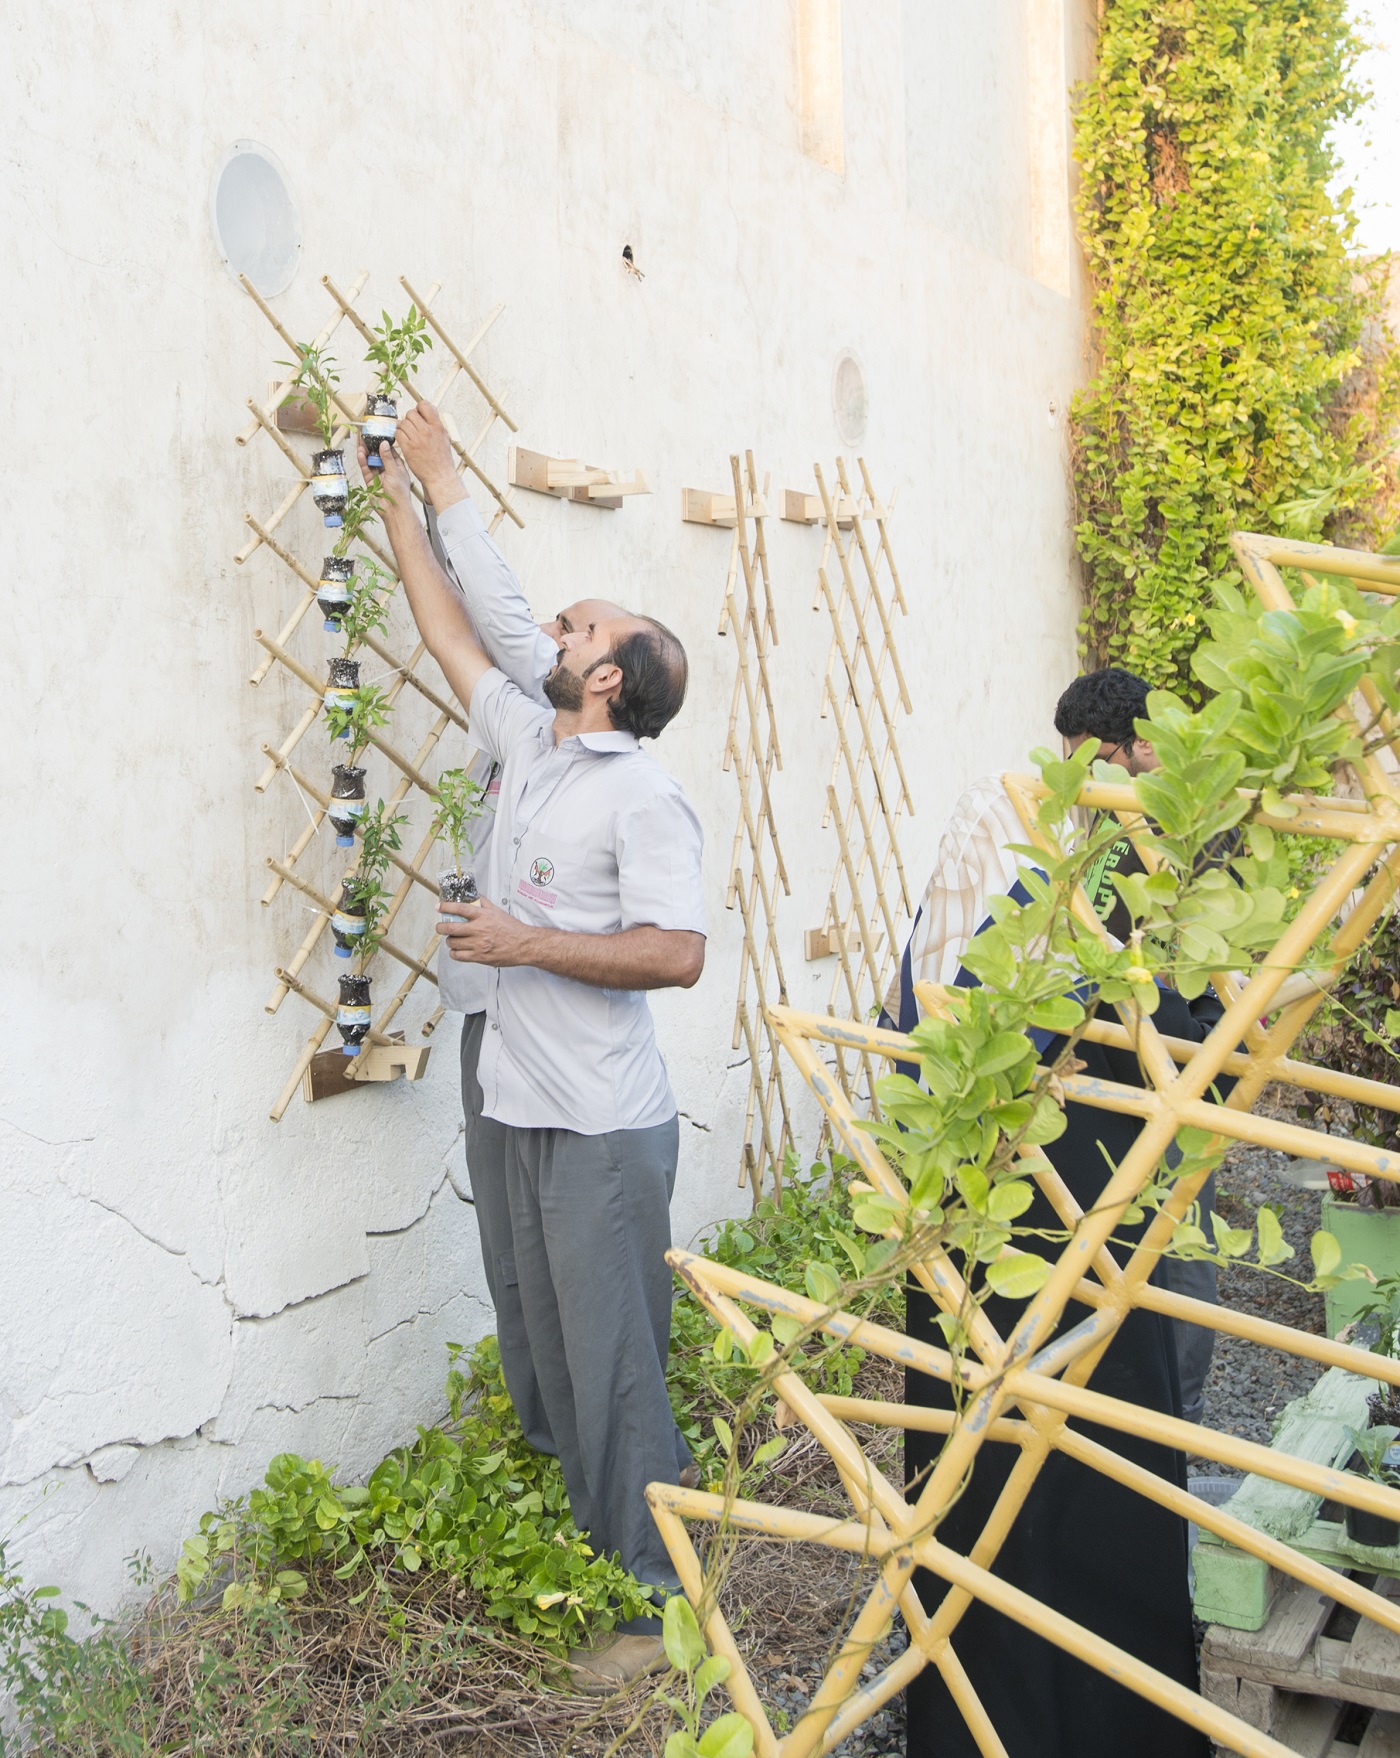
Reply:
x=437 y=606
x=497 y=606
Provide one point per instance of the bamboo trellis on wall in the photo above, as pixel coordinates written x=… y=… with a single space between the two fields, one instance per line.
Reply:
x=1023 y=1390
x=752 y=752
x=304 y=868
x=865 y=694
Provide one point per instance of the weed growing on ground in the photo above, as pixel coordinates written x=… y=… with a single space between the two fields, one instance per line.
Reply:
x=437 y=1597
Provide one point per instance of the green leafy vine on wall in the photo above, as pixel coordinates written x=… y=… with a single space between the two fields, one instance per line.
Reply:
x=1243 y=376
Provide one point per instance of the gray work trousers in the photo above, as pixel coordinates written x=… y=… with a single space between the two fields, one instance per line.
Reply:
x=590 y=1216
x=486 y=1168
x=1195 y=1344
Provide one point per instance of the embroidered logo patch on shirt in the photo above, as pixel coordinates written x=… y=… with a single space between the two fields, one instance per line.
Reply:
x=542 y=871
x=536 y=893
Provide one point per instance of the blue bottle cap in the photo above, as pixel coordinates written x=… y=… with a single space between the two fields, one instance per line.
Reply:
x=342 y=952
x=375 y=461
x=332 y=519
x=349 y=1049
x=344 y=841
x=330 y=627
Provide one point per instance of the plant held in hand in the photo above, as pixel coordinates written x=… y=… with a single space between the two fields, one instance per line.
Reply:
x=394 y=353
x=461 y=801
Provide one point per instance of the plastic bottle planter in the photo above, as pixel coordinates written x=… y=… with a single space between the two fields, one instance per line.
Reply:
x=352 y=1016
x=381 y=423
x=1364 y=1527
x=456 y=887
x=347 y=924
x=329 y=487
x=347 y=805
x=342 y=687
x=333 y=589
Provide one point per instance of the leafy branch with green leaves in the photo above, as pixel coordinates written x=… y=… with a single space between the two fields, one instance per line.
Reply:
x=356 y=714
x=1245 y=378
x=460 y=803
x=396 y=349
x=366 y=611
x=365 y=891
x=317 y=375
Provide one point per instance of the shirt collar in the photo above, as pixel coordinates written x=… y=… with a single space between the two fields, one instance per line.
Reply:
x=606 y=741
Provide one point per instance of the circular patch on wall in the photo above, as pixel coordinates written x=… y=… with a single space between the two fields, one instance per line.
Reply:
x=848 y=399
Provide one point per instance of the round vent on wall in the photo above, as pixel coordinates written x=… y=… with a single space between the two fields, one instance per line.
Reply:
x=256 y=226
x=848 y=400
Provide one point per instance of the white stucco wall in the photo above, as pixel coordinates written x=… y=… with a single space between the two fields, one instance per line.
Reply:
x=186 y=1288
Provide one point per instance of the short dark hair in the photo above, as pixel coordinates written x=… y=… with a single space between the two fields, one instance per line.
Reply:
x=655 y=673
x=1103 y=704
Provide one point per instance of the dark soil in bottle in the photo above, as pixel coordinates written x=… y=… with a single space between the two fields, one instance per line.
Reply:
x=458 y=887
x=381 y=422
x=344 y=674
x=346 y=935
x=329 y=495
x=352 y=1017
x=333 y=588
x=348 y=786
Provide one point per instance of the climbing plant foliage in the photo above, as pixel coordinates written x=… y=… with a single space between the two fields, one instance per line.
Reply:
x=1244 y=378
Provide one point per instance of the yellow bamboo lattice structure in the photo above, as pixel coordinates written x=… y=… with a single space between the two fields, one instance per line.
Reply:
x=1024 y=1389
x=409 y=771
x=753 y=753
x=864 y=692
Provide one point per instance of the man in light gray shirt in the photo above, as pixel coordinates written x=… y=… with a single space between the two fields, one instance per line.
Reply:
x=526 y=651
x=592 y=896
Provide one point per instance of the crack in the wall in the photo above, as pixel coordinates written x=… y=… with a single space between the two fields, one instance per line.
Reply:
x=170 y=1250
x=71 y=1141
x=432 y=1312
x=320 y=1398
x=408 y=1226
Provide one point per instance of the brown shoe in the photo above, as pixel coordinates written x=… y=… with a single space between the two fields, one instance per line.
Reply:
x=690 y=1477
x=616 y=1664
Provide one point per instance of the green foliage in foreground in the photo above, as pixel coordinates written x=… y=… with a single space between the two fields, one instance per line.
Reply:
x=469 y=1497
x=1245 y=380
x=472 y=1497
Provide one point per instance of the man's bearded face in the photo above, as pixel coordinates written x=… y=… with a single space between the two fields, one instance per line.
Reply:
x=563 y=689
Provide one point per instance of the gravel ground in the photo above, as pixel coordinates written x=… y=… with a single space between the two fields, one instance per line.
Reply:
x=1249 y=1386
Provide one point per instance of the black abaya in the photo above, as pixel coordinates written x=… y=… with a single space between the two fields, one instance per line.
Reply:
x=1087 y=1547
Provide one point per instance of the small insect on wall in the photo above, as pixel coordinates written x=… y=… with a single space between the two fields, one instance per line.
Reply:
x=370 y=700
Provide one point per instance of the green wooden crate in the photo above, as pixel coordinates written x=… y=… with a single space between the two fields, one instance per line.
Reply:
x=1366 y=1236
x=1236 y=1589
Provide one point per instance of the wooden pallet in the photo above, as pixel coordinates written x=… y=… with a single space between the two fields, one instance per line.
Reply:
x=1295 y=1677
x=1237 y=1590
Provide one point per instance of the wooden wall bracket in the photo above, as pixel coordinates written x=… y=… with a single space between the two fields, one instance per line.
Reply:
x=329 y=1073
x=699 y=506
x=590 y=485
x=801 y=508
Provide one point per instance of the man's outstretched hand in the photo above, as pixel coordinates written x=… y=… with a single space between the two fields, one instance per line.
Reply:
x=396 y=489
x=423 y=444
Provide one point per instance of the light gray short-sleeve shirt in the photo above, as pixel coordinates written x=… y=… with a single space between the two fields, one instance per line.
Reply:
x=508 y=631
x=591 y=836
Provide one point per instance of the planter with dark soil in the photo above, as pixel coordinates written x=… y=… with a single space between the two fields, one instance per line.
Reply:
x=381 y=423
x=342 y=687
x=347 y=924
x=347 y=805
x=352 y=1016
x=1364 y=1527
x=455 y=886
x=329 y=486
x=333 y=589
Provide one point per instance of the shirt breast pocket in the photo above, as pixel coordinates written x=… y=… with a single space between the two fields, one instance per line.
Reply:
x=557 y=879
